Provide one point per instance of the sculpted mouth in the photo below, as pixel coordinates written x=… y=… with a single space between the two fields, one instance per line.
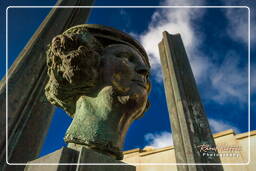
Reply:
x=140 y=83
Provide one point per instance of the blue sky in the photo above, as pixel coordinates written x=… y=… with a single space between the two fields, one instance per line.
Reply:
x=216 y=41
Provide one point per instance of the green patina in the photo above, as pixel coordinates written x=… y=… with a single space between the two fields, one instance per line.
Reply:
x=95 y=122
x=99 y=76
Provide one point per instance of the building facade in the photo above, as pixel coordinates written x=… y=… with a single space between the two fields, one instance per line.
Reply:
x=237 y=153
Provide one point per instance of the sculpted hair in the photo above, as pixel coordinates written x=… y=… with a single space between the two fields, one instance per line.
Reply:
x=73 y=60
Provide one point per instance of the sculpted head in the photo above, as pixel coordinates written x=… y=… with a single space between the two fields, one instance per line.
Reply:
x=99 y=76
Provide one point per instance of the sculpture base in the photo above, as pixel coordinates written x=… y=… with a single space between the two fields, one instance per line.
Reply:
x=74 y=160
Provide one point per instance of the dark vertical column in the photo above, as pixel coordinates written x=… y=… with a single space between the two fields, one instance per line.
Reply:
x=29 y=113
x=190 y=127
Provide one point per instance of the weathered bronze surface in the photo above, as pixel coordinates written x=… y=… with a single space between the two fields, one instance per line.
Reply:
x=99 y=76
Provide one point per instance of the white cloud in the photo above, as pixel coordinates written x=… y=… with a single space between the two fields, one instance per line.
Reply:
x=238 y=21
x=159 y=140
x=175 y=20
x=164 y=139
x=218 y=126
x=237 y=27
x=229 y=81
x=225 y=82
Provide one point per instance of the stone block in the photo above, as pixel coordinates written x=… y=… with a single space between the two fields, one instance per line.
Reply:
x=82 y=160
x=63 y=155
x=90 y=156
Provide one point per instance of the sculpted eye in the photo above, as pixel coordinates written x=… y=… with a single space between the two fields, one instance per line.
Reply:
x=126 y=56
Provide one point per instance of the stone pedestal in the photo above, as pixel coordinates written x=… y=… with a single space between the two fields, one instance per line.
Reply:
x=76 y=160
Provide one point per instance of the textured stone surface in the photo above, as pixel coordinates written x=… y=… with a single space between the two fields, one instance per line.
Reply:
x=99 y=76
x=26 y=80
x=90 y=156
x=63 y=155
x=81 y=160
x=189 y=123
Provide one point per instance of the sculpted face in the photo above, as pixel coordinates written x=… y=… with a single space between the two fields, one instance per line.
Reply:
x=102 y=82
x=123 y=68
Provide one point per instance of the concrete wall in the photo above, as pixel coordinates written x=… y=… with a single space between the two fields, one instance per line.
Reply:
x=236 y=146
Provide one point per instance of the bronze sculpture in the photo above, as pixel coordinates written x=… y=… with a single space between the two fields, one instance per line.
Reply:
x=99 y=76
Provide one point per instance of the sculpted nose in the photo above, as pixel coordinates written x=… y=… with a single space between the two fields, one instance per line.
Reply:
x=142 y=70
x=143 y=75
